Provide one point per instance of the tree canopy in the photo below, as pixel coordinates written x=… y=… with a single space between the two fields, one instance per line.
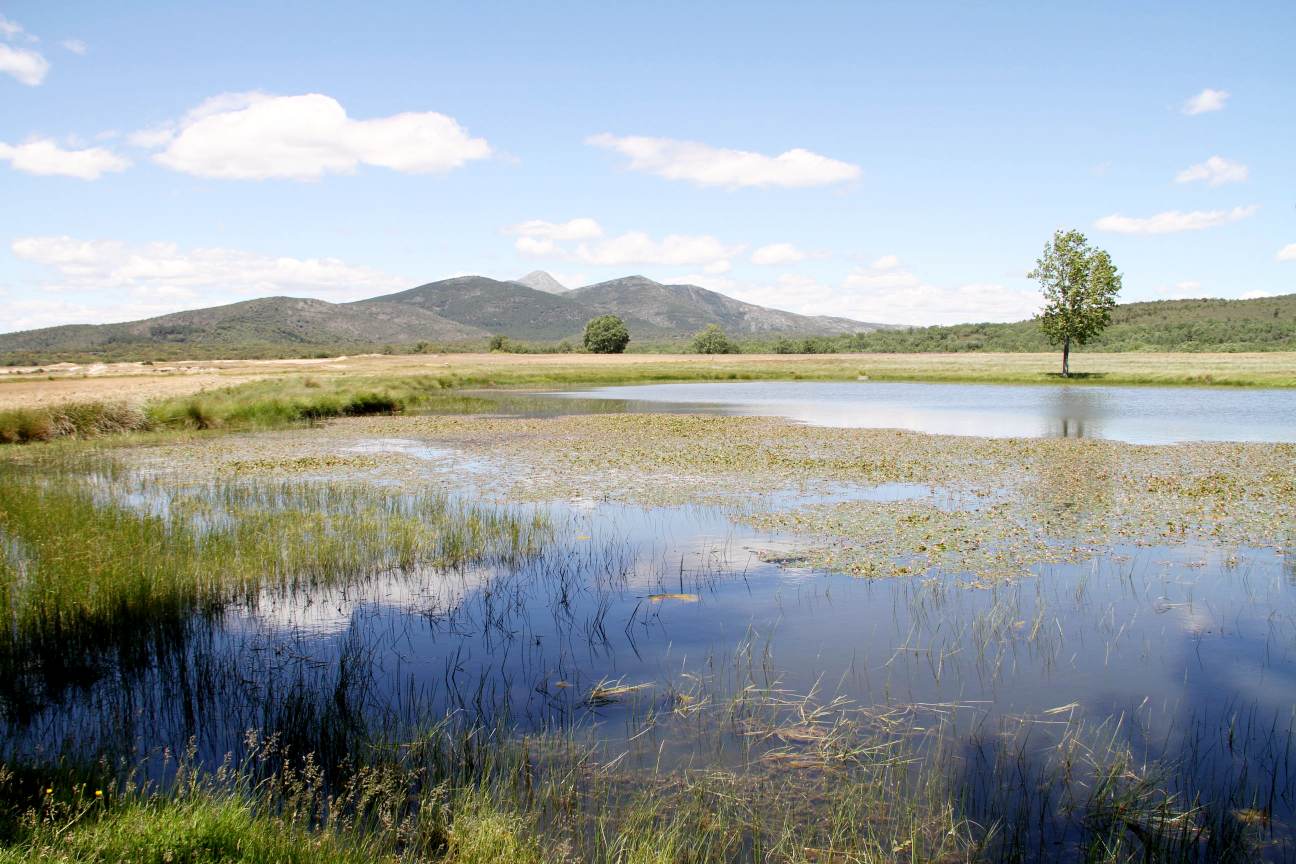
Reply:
x=712 y=340
x=1080 y=284
x=606 y=334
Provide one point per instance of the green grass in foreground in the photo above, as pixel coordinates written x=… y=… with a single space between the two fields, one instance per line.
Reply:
x=75 y=563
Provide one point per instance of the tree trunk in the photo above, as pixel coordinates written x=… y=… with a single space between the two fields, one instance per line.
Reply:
x=1066 y=357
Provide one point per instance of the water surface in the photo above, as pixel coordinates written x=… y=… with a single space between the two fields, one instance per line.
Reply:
x=1139 y=415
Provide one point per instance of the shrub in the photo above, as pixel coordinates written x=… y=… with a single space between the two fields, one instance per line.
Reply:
x=606 y=334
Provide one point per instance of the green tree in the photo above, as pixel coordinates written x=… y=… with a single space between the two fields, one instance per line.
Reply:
x=1080 y=284
x=606 y=334
x=498 y=342
x=713 y=340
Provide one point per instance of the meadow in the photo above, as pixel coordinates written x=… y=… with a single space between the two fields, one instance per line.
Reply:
x=40 y=403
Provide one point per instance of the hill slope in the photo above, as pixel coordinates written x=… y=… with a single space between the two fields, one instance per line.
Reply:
x=492 y=306
x=653 y=309
x=650 y=309
x=1263 y=324
x=250 y=328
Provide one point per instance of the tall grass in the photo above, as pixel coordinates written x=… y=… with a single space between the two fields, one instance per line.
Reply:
x=255 y=405
x=90 y=550
x=79 y=419
x=877 y=792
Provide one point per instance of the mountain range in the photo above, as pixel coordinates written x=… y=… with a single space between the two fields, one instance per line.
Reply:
x=459 y=310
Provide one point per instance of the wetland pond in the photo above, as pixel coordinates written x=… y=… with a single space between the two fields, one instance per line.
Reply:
x=1011 y=614
x=1140 y=415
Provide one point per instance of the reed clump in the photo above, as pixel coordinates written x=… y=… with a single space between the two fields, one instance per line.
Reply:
x=80 y=419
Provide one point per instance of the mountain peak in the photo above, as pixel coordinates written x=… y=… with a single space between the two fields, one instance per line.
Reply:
x=542 y=281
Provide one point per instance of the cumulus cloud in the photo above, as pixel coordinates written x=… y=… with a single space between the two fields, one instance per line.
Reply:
x=582 y=240
x=539 y=238
x=714 y=166
x=1173 y=221
x=25 y=64
x=76 y=46
x=44 y=156
x=1215 y=171
x=167 y=274
x=777 y=253
x=1287 y=253
x=637 y=247
x=255 y=136
x=1257 y=295
x=582 y=228
x=886 y=262
x=1206 y=101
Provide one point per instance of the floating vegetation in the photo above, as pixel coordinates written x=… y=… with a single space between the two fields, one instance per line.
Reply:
x=607 y=692
x=1008 y=504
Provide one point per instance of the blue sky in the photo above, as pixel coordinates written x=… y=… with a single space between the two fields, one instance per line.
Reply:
x=893 y=162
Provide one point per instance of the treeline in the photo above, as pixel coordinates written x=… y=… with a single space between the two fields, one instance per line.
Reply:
x=1262 y=324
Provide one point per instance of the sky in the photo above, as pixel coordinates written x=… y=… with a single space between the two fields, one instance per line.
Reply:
x=891 y=162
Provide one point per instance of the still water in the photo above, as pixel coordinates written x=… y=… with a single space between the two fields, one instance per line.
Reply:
x=1181 y=652
x=1139 y=415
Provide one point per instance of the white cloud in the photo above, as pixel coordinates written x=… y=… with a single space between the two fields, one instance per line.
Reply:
x=889 y=277
x=1215 y=171
x=1205 y=101
x=636 y=247
x=44 y=156
x=10 y=29
x=866 y=296
x=166 y=273
x=28 y=66
x=886 y=262
x=582 y=228
x=777 y=253
x=1257 y=295
x=713 y=166
x=76 y=46
x=254 y=136
x=1173 y=221
x=538 y=246
x=1287 y=253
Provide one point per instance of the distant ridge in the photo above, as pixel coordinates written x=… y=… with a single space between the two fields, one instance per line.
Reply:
x=457 y=311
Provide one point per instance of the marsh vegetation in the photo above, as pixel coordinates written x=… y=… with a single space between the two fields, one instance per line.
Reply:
x=504 y=631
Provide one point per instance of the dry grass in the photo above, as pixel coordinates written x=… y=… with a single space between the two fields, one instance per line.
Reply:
x=27 y=387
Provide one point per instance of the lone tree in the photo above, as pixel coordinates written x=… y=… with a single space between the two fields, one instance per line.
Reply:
x=713 y=340
x=606 y=334
x=1080 y=285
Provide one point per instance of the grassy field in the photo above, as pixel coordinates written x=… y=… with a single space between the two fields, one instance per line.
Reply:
x=136 y=382
x=85 y=402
